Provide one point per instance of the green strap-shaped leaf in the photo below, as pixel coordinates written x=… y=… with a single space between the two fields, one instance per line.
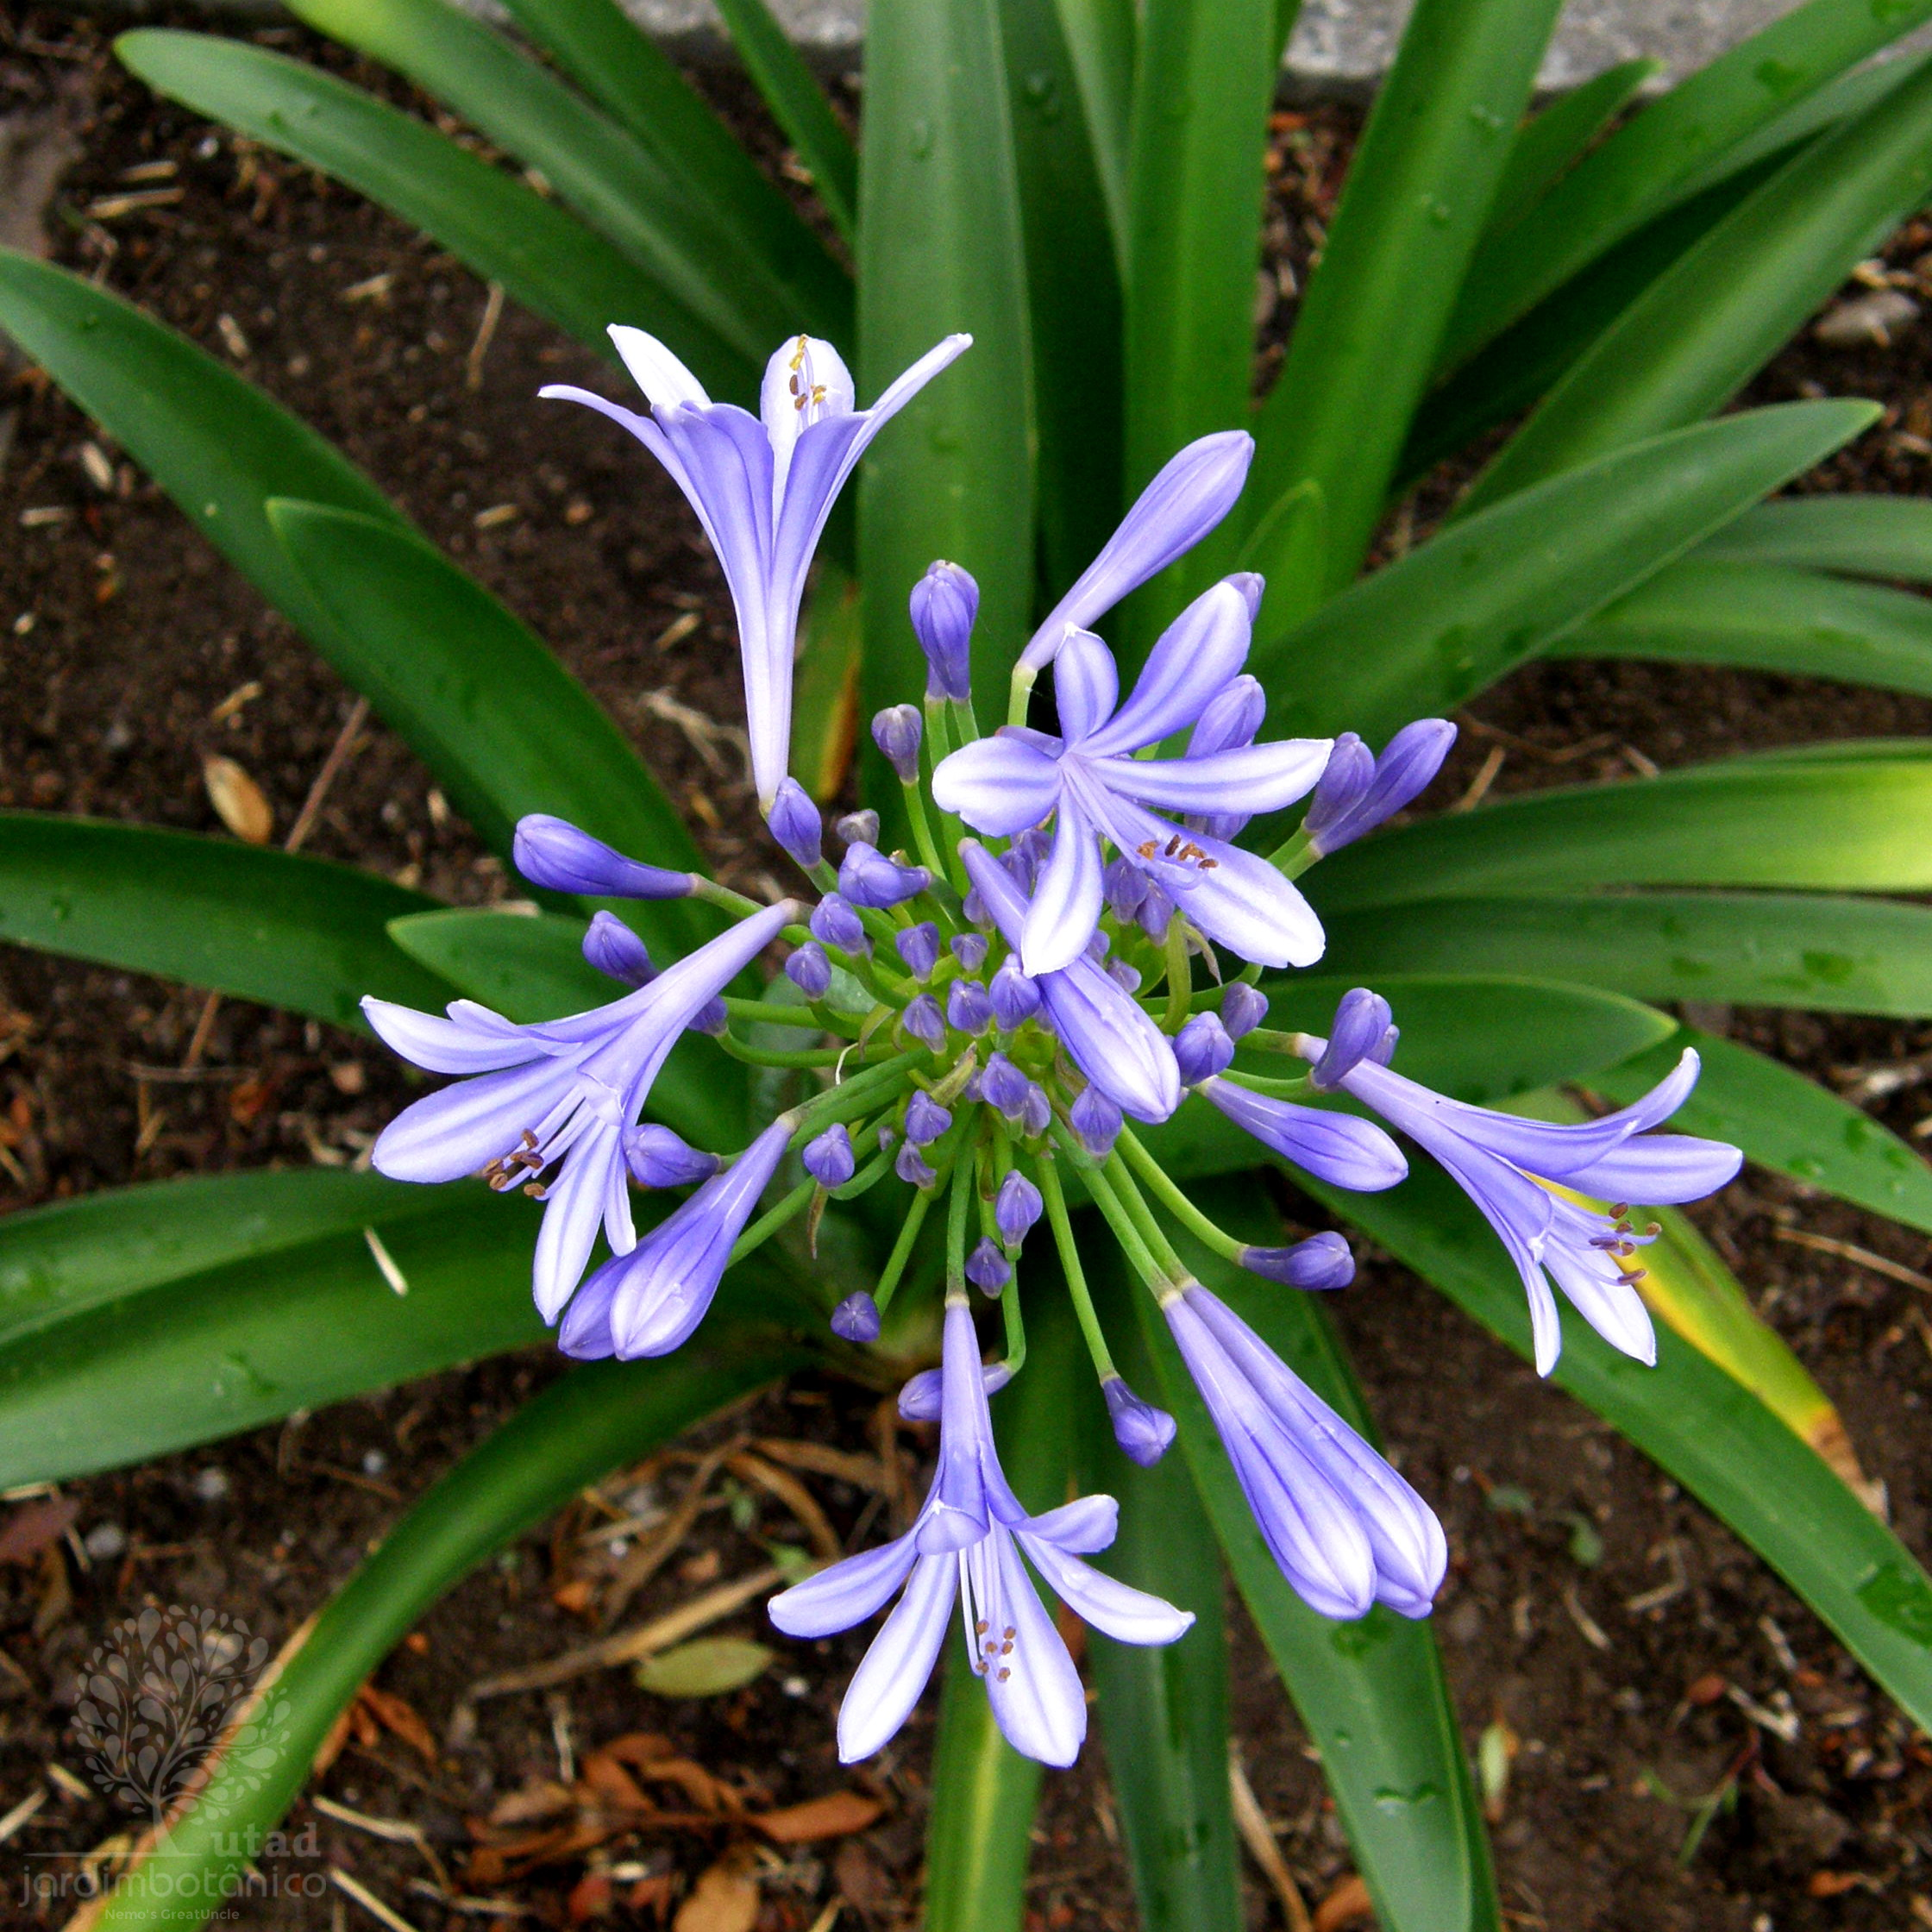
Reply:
x=1701 y=1426
x=1418 y=194
x=596 y=169
x=826 y=684
x=1860 y=536
x=621 y=68
x=1766 y=617
x=58 y=1261
x=1547 y=146
x=479 y=699
x=1100 y=37
x=584 y=1425
x=543 y=256
x=262 y=925
x=1430 y=631
x=798 y=103
x=534 y=968
x=1862 y=824
x=1813 y=950
x=1704 y=327
x=1371 y=1693
x=940 y=250
x=1784 y=1121
x=1204 y=80
x=1664 y=153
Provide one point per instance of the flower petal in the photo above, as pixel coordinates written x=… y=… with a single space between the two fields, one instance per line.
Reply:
x=894 y=1671
x=463 y=1128
x=655 y=371
x=572 y=1209
x=1251 y=779
x=1196 y=657
x=1066 y=904
x=448 y=1045
x=1659 y=1168
x=998 y=785
x=1035 y=1691
x=844 y=1595
x=1337 y=1148
x=1086 y=685
x=1121 y=1612
x=1086 y=1524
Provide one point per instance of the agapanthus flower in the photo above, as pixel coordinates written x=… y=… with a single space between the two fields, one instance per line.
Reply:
x=969 y=1537
x=553 y=853
x=1334 y=1147
x=763 y=489
x=1346 y=1528
x=1093 y=785
x=944 y=603
x=560 y=1091
x=1358 y=790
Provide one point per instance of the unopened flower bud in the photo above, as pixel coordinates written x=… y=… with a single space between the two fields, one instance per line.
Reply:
x=1230 y=718
x=796 y=825
x=923 y=1021
x=1016 y=1208
x=1321 y=1261
x=1243 y=1009
x=1143 y=1431
x=1126 y=977
x=969 y=1009
x=1157 y=909
x=856 y=1319
x=1015 y=998
x=1361 y=1020
x=911 y=1166
x=1202 y=1049
x=553 y=853
x=897 y=731
x=809 y=970
x=1097 y=1122
x=1357 y=792
x=834 y=921
x=611 y=947
x=868 y=877
x=987 y=1269
x=887 y=1134
x=1124 y=885
x=925 y=1119
x=712 y=1018
x=918 y=946
x=859 y=828
x=970 y=950
x=659 y=1159
x=1003 y=1086
x=829 y=1158
x=945 y=601
x=1036 y=1116
x=921 y=1399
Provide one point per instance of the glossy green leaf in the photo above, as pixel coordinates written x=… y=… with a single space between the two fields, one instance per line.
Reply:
x=476 y=695
x=1371 y=1693
x=262 y=925
x=1100 y=37
x=1766 y=617
x=1417 y=197
x=594 y=167
x=1701 y=1426
x=1851 y=824
x=586 y=1424
x=1203 y=86
x=1549 y=145
x=530 y=968
x=543 y=256
x=800 y=107
x=1813 y=950
x=1705 y=326
x=825 y=685
x=58 y=1261
x=1429 y=632
x=639 y=86
x=940 y=250
x=1860 y=536
x=1784 y=1121
x=1664 y=152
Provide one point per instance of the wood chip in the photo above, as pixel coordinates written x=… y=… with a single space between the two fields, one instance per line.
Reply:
x=368 y=1900
x=238 y=800
x=22 y=1812
x=1349 y=1903
x=724 y=1899
x=1592 y=1630
x=837 y=1815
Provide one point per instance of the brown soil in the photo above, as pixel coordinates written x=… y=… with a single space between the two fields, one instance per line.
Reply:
x=127 y=651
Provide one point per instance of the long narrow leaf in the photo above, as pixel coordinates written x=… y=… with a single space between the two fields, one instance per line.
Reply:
x=1430 y=631
x=1861 y=535
x=583 y=1426
x=1702 y=1428
x=288 y=931
x=1417 y=197
x=1548 y=146
x=1100 y=37
x=1698 y=333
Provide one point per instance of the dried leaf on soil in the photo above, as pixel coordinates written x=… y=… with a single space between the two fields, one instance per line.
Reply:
x=35 y=1527
x=724 y=1899
x=837 y=1815
x=239 y=801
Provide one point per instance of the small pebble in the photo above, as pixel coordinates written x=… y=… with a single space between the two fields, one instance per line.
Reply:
x=212 y=1484
x=104 y=1541
x=793 y=1686
x=1866 y=320
x=374 y=1462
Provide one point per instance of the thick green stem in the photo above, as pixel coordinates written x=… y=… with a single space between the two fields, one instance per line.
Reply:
x=1169 y=1192
x=1133 y=1205
x=901 y=1250
x=1020 y=693
x=1296 y=1087
x=1069 y=1263
x=1180 y=974
x=957 y=1205
x=1016 y=1327
x=814 y=1018
x=1294 y=855
x=774 y=1056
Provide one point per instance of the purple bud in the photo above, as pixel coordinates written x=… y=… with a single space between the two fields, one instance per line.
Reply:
x=1202 y=1049
x=1097 y=946
x=925 y=1119
x=1384 y=1051
x=1361 y=1019
x=922 y=1020
x=974 y=908
x=910 y=1165
x=1126 y=977
x=658 y=1158
x=1015 y=998
x=887 y=1134
x=1003 y=1086
x=974 y=1091
x=829 y=1160
x=945 y=601
x=1342 y=785
x=1321 y=1261
x=987 y=1269
x=1230 y=718
x=712 y=1018
x=918 y=946
x=1036 y=1116
x=859 y=828
x=1143 y=1431
x=796 y=825
x=1016 y=1208
x=1125 y=886
x=897 y=731
x=856 y=1319
x=809 y=970
x=834 y=921
x=552 y=852
x=1368 y=791
x=1096 y=1120
x=868 y=877
x=970 y=950
x=611 y=947
x=1024 y=857
x=920 y=1400
x=1156 y=910
x=1243 y=1009
x=968 y=1007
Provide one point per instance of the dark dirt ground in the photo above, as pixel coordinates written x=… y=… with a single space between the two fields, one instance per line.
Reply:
x=128 y=652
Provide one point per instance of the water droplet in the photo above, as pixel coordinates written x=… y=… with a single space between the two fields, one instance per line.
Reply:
x=1388 y=1798
x=1899 y=1597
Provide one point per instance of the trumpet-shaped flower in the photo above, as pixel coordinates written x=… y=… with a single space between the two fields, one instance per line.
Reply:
x=762 y=486
x=967 y=1539
x=1095 y=788
x=561 y=1090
